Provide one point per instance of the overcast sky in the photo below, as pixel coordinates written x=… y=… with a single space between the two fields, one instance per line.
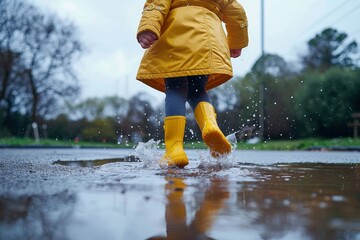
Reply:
x=108 y=29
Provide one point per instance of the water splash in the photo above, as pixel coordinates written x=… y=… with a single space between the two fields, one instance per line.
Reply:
x=148 y=153
x=232 y=139
x=209 y=163
x=224 y=162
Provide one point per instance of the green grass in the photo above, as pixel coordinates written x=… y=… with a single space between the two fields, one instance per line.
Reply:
x=299 y=144
x=18 y=142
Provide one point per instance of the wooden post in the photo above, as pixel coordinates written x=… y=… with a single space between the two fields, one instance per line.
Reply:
x=355 y=124
x=36 y=131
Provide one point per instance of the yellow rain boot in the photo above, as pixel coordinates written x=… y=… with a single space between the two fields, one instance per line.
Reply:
x=174 y=127
x=213 y=137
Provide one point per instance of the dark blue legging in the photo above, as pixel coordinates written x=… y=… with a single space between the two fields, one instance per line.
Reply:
x=182 y=89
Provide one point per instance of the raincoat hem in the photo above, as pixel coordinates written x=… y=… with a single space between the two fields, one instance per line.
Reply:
x=156 y=80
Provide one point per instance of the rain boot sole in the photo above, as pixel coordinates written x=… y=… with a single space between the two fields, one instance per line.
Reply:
x=217 y=143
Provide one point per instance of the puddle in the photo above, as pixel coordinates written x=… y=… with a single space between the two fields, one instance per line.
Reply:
x=254 y=195
x=97 y=162
x=289 y=201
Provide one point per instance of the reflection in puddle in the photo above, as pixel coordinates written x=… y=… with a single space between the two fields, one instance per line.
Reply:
x=178 y=223
x=306 y=197
x=287 y=201
x=98 y=162
x=36 y=217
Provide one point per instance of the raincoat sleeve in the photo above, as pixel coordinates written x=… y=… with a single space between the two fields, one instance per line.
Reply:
x=153 y=16
x=236 y=24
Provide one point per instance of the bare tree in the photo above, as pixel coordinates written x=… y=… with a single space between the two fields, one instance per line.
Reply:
x=43 y=48
x=9 y=56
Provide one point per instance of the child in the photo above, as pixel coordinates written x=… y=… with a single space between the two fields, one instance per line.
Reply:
x=187 y=54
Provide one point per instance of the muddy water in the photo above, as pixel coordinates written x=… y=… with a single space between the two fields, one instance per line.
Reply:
x=249 y=195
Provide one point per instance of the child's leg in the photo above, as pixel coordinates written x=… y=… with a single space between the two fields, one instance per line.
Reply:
x=174 y=122
x=197 y=92
x=176 y=94
x=205 y=116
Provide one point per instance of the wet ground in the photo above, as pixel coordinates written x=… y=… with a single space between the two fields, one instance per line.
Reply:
x=104 y=194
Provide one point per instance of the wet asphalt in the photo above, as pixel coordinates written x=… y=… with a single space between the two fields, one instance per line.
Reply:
x=105 y=194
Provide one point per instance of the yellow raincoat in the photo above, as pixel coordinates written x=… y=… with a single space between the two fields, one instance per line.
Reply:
x=191 y=39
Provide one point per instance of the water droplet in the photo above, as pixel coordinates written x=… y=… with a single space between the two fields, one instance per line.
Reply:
x=286 y=202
